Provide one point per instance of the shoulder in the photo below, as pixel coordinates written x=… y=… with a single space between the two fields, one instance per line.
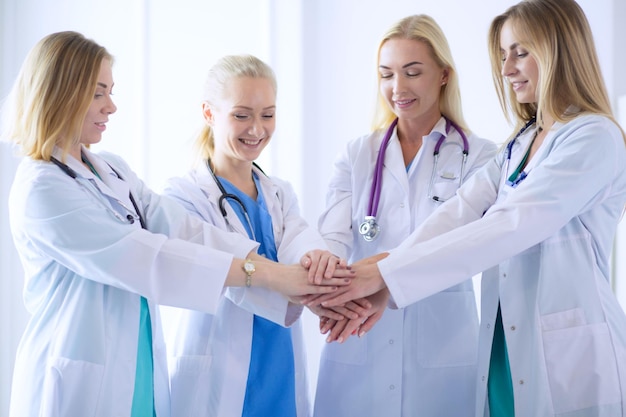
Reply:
x=117 y=163
x=373 y=138
x=364 y=146
x=482 y=144
x=281 y=186
x=36 y=175
x=598 y=128
x=185 y=185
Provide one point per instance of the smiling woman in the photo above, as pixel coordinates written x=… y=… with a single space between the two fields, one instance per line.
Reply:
x=322 y=54
x=268 y=375
x=93 y=273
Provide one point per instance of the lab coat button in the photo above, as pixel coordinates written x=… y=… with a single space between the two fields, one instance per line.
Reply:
x=391 y=341
x=392 y=387
x=483 y=377
x=488 y=326
x=521 y=382
x=512 y=328
x=401 y=205
x=504 y=275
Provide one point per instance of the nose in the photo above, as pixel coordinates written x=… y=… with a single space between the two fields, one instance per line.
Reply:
x=110 y=106
x=508 y=68
x=256 y=129
x=398 y=85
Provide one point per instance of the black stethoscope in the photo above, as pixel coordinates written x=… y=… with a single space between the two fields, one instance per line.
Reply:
x=369 y=228
x=233 y=197
x=130 y=217
x=518 y=175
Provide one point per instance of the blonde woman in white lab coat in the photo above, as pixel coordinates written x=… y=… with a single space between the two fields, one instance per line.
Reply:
x=247 y=358
x=420 y=360
x=540 y=219
x=99 y=249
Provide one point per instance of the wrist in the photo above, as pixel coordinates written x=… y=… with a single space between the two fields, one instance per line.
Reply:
x=249 y=268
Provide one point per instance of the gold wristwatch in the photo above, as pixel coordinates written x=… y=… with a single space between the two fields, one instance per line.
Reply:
x=248 y=268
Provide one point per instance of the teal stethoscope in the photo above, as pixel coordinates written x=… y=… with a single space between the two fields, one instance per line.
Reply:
x=370 y=229
x=518 y=175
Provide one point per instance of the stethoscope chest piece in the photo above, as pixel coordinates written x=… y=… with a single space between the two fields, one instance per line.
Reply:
x=369 y=229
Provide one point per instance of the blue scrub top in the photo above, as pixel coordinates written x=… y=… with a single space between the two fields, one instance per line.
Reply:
x=270 y=390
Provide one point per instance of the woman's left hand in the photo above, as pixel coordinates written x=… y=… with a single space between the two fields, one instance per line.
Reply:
x=341 y=330
x=321 y=265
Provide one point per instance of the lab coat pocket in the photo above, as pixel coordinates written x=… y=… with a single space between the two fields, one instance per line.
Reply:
x=189 y=384
x=71 y=388
x=445 y=186
x=581 y=366
x=447 y=330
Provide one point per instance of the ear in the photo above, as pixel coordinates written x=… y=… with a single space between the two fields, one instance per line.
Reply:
x=207 y=113
x=444 y=76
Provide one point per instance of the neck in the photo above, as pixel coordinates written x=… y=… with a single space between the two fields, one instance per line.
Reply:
x=238 y=173
x=413 y=130
x=75 y=152
x=546 y=121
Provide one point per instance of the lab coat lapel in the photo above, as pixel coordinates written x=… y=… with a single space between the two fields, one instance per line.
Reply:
x=115 y=188
x=270 y=193
x=394 y=164
x=110 y=185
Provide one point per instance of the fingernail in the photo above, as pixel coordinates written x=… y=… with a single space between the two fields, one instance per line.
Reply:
x=346 y=280
x=362 y=333
x=340 y=340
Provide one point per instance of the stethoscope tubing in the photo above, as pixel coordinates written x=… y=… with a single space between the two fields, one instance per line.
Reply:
x=72 y=174
x=224 y=196
x=369 y=228
x=509 y=149
x=372 y=208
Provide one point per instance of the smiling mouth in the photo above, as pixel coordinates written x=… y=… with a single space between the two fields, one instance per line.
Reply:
x=251 y=142
x=404 y=102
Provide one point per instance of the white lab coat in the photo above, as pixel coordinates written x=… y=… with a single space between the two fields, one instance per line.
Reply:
x=548 y=243
x=420 y=360
x=85 y=269
x=209 y=354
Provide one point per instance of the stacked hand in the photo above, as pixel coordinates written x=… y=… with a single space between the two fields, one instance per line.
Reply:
x=348 y=309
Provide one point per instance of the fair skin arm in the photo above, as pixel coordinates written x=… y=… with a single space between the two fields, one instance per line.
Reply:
x=289 y=280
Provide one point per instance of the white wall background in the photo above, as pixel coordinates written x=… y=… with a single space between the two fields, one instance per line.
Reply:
x=323 y=52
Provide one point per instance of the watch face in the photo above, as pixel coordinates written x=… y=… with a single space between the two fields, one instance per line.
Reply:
x=248 y=267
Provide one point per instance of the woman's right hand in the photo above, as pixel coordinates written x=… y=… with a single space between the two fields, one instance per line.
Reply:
x=293 y=280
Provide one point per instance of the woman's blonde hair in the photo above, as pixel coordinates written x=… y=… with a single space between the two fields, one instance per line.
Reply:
x=224 y=70
x=52 y=94
x=557 y=34
x=424 y=29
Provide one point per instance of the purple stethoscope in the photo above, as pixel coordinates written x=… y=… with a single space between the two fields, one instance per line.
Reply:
x=370 y=229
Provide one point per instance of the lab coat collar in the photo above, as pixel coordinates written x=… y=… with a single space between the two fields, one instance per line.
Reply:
x=394 y=160
x=110 y=185
x=439 y=129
